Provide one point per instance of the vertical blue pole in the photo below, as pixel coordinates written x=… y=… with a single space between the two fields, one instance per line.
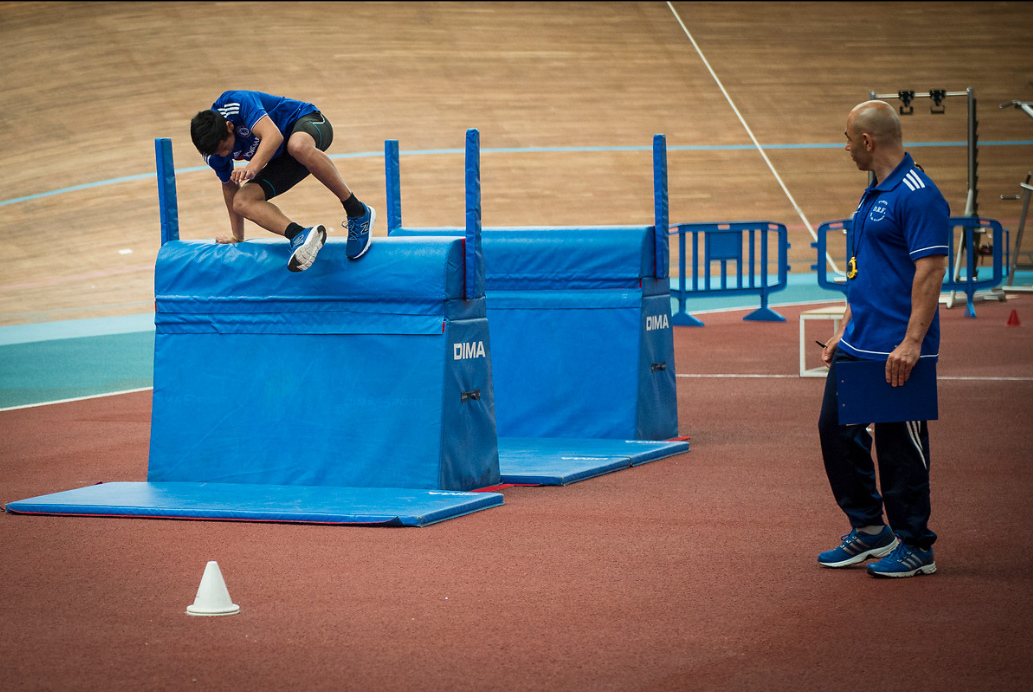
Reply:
x=474 y=285
x=970 y=269
x=682 y=268
x=764 y=240
x=168 y=207
x=764 y=236
x=660 y=244
x=394 y=185
x=695 y=260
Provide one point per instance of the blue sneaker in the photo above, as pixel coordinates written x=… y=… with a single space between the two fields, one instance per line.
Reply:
x=905 y=561
x=360 y=232
x=304 y=248
x=858 y=547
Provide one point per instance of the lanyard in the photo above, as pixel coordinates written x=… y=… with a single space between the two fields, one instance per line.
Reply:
x=855 y=238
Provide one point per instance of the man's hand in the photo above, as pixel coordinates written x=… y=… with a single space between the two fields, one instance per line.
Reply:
x=830 y=350
x=925 y=299
x=900 y=362
x=832 y=344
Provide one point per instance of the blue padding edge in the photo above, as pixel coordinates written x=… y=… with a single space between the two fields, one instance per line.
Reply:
x=296 y=319
x=560 y=258
x=561 y=461
x=403 y=275
x=249 y=502
x=566 y=299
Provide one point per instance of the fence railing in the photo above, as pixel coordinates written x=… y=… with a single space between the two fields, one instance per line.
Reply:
x=972 y=229
x=749 y=246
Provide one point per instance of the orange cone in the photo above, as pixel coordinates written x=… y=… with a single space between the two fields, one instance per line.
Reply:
x=1013 y=319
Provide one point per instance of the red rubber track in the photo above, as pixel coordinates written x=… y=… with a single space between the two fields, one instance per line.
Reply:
x=696 y=572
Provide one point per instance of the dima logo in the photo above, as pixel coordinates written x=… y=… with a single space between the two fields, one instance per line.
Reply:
x=656 y=322
x=472 y=349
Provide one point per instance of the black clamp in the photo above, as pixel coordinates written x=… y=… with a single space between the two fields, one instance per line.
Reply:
x=906 y=97
x=937 y=95
x=475 y=395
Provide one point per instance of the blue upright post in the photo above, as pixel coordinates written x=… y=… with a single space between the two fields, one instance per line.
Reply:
x=474 y=287
x=167 y=205
x=394 y=185
x=971 y=247
x=660 y=206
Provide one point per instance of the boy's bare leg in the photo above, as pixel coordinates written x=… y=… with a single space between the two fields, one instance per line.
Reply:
x=250 y=202
x=303 y=148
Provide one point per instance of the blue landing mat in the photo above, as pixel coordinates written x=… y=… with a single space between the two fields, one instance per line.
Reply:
x=561 y=461
x=249 y=502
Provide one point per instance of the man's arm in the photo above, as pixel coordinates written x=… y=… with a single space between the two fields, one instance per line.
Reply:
x=236 y=220
x=925 y=298
x=271 y=139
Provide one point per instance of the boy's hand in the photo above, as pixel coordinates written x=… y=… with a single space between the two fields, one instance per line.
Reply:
x=227 y=239
x=242 y=175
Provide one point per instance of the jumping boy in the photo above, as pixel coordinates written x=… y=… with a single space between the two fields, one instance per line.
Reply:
x=282 y=140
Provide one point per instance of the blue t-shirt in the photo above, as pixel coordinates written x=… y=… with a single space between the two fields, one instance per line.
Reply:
x=899 y=220
x=244 y=109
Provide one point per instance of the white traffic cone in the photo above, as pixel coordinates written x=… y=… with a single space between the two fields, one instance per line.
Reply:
x=212 y=596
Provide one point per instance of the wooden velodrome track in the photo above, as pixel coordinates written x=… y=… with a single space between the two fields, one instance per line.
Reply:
x=693 y=573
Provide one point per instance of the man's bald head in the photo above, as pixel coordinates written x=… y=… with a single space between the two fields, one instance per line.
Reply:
x=873 y=138
x=877 y=119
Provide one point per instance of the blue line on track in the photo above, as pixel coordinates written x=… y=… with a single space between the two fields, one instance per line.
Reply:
x=516 y=150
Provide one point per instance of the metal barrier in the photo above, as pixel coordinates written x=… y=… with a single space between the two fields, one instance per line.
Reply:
x=724 y=243
x=972 y=228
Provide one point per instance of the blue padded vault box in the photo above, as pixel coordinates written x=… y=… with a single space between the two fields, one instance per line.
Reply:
x=582 y=345
x=372 y=373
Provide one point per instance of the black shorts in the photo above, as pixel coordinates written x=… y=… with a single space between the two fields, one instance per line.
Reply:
x=284 y=171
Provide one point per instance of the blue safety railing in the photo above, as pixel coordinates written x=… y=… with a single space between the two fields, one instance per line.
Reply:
x=748 y=245
x=967 y=282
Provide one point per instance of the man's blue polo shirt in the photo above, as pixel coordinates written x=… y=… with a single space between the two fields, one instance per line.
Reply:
x=244 y=109
x=899 y=220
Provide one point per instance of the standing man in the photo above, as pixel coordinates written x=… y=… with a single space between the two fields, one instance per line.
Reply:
x=895 y=274
x=282 y=140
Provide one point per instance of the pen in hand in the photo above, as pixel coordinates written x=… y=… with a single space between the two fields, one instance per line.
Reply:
x=819 y=343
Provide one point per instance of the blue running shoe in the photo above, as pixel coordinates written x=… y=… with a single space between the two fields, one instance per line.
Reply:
x=304 y=248
x=858 y=547
x=905 y=561
x=360 y=232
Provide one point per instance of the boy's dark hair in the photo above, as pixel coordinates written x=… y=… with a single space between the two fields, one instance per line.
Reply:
x=208 y=130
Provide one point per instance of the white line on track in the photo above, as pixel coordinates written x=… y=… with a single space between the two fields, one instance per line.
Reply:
x=988 y=379
x=797 y=377
x=79 y=398
x=731 y=375
x=760 y=149
x=688 y=375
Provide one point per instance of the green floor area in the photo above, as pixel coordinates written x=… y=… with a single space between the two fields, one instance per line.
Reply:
x=59 y=369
